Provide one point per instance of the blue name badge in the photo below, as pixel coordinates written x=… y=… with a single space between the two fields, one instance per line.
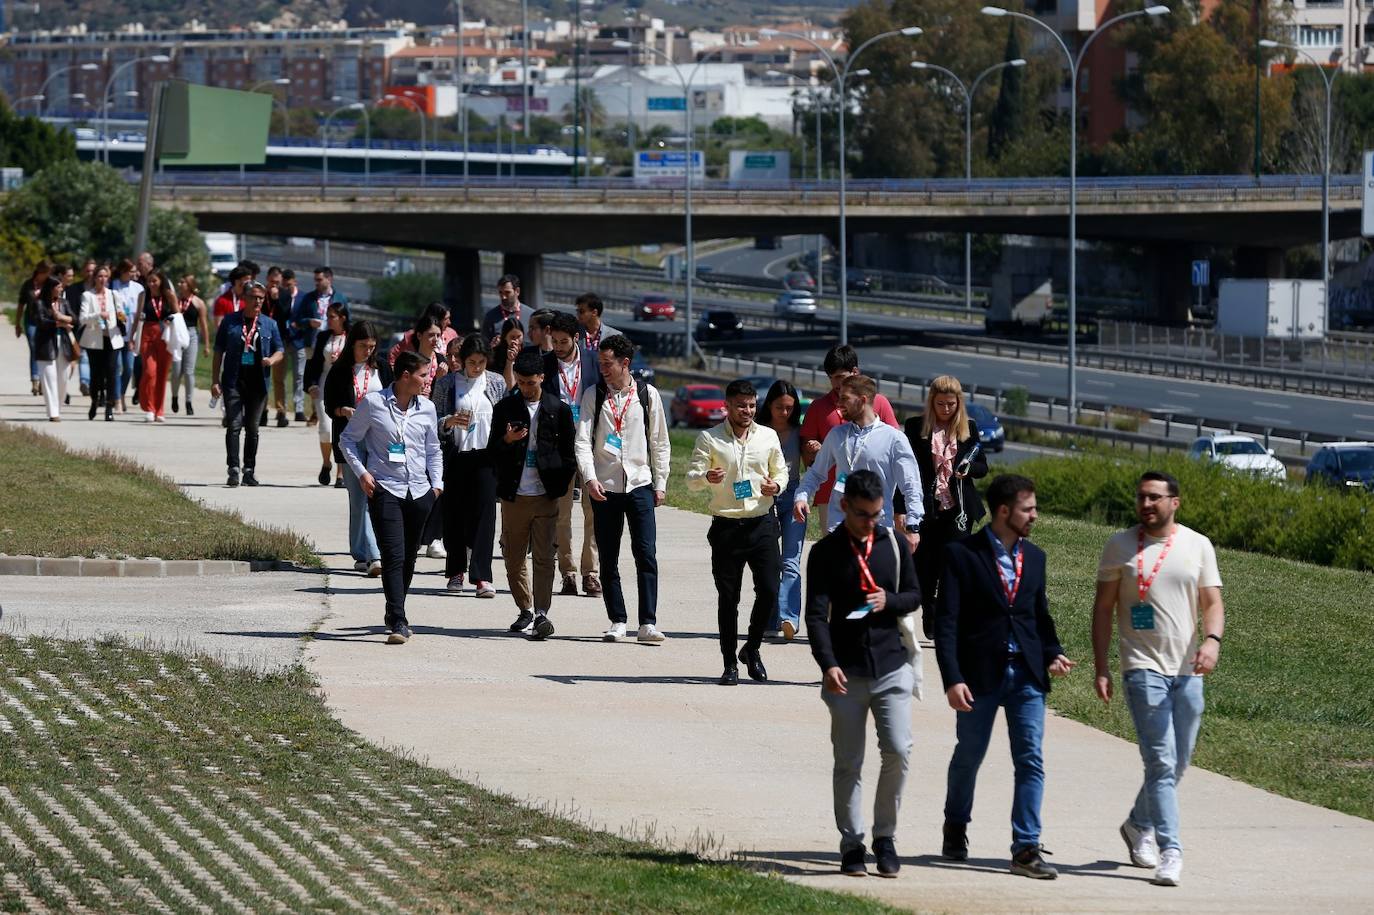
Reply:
x=396 y=452
x=247 y=358
x=529 y=458
x=839 y=481
x=860 y=613
x=576 y=411
x=613 y=443
x=744 y=489
x=1142 y=616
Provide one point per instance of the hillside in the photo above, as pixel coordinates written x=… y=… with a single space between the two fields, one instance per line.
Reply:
x=103 y=15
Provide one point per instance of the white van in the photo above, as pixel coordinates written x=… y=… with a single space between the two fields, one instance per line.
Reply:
x=224 y=254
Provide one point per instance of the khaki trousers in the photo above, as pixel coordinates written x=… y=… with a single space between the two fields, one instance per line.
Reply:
x=527 y=525
x=565 y=538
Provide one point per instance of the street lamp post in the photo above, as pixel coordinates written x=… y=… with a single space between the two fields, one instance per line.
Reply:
x=36 y=99
x=1074 y=64
x=969 y=93
x=43 y=89
x=393 y=97
x=460 y=88
x=1326 y=163
x=689 y=245
x=524 y=67
x=109 y=86
x=841 y=77
x=820 y=176
x=367 y=147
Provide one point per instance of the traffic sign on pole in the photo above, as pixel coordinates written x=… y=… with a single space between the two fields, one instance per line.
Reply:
x=1202 y=273
x=1367 y=214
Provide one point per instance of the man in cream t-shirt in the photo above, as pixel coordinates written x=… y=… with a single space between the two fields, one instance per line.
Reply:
x=1154 y=580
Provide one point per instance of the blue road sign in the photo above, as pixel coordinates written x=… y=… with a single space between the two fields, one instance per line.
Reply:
x=1202 y=273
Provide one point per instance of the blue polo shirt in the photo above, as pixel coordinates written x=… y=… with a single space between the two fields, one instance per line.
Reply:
x=263 y=341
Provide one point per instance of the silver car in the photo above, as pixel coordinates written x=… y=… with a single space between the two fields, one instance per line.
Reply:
x=795 y=303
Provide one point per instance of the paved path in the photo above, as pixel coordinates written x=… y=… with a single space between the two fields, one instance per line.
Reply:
x=640 y=738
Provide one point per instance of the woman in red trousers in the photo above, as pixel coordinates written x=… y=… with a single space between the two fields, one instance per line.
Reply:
x=156 y=307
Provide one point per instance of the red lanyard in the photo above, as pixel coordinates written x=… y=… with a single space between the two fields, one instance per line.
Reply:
x=1015 y=586
x=157 y=308
x=594 y=343
x=865 y=574
x=249 y=330
x=1142 y=583
x=573 y=386
x=618 y=418
x=366 y=377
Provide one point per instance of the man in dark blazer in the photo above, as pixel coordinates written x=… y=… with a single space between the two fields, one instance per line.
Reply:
x=997 y=647
x=531 y=447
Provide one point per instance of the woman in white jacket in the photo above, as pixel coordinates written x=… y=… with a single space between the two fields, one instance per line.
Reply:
x=102 y=337
x=52 y=345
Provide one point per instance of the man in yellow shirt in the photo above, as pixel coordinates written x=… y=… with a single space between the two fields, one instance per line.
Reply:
x=742 y=464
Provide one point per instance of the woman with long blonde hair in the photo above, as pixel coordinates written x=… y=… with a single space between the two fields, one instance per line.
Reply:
x=946 y=444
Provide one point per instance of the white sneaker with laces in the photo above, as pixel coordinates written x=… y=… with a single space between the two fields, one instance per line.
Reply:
x=1170 y=870
x=374 y=568
x=647 y=633
x=437 y=551
x=615 y=633
x=1141 y=843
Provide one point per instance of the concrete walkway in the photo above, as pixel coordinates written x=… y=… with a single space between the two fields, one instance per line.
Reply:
x=639 y=738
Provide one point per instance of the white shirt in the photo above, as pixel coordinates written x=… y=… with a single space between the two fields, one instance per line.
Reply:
x=572 y=382
x=631 y=468
x=530 y=484
x=877 y=447
x=470 y=394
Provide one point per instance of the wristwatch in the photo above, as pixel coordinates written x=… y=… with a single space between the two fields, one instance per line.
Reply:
x=913 y=528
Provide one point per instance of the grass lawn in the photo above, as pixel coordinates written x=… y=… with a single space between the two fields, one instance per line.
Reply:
x=1285 y=710
x=139 y=781
x=63 y=503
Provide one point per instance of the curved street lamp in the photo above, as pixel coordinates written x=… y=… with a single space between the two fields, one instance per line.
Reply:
x=841 y=77
x=969 y=93
x=1326 y=162
x=1074 y=65
x=42 y=90
x=109 y=86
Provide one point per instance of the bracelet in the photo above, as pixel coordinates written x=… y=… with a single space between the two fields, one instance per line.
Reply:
x=1217 y=638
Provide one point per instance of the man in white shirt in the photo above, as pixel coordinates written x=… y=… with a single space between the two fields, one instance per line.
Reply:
x=566 y=374
x=742 y=464
x=623 y=453
x=864 y=442
x=1154 y=580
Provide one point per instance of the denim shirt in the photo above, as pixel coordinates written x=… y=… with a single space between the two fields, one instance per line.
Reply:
x=1006 y=567
x=377 y=425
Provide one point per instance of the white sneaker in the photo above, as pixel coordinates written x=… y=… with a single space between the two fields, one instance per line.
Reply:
x=647 y=633
x=614 y=634
x=148 y=417
x=437 y=551
x=374 y=568
x=359 y=565
x=1141 y=844
x=1170 y=870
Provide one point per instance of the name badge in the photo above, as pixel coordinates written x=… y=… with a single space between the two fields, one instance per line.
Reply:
x=247 y=358
x=576 y=411
x=744 y=489
x=839 y=482
x=396 y=452
x=860 y=613
x=613 y=444
x=529 y=458
x=1143 y=616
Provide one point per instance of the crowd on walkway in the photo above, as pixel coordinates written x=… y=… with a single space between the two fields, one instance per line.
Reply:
x=435 y=435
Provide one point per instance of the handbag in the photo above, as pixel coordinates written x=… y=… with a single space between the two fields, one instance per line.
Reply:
x=75 y=345
x=906 y=628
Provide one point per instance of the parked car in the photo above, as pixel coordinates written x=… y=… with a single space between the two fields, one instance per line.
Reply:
x=716 y=324
x=650 y=306
x=799 y=279
x=641 y=369
x=697 y=405
x=762 y=383
x=991 y=435
x=795 y=304
x=765 y=242
x=1238 y=452
x=858 y=281
x=1349 y=465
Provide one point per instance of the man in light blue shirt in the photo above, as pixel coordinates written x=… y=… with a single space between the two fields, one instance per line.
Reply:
x=392 y=445
x=865 y=443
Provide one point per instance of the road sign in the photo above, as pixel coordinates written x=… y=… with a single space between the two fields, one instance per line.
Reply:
x=749 y=165
x=655 y=166
x=1367 y=218
x=1202 y=273
x=666 y=103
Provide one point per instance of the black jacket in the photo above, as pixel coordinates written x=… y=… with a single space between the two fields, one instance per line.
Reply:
x=553 y=446
x=978 y=468
x=338 y=392
x=973 y=622
x=867 y=647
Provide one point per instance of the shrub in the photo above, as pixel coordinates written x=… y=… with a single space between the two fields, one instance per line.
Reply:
x=1016 y=402
x=1317 y=525
x=406 y=293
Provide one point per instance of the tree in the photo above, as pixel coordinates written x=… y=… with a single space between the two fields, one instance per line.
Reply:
x=1009 y=117
x=77 y=209
x=405 y=293
x=31 y=144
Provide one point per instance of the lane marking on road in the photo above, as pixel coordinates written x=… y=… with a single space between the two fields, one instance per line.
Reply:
x=1280 y=423
x=1369 y=432
x=969 y=365
x=1184 y=393
x=1025 y=374
x=1100 y=383
x=1273 y=406
x=1362 y=416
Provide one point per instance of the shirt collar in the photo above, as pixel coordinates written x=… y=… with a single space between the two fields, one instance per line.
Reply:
x=999 y=546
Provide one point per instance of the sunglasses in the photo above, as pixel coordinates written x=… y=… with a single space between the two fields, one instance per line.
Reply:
x=866 y=516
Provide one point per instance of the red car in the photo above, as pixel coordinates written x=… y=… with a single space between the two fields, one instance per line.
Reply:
x=653 y=305
x=698 y=405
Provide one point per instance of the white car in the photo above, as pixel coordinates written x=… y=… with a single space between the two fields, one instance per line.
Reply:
x=1239 y=452
x=795 y=304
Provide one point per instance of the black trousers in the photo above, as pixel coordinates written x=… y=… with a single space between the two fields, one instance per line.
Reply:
x=609 y=518
x=397 y=524
x=937 y=532
x=469 y=510
x=242 y=410
x=735 y=544
x=104 y=373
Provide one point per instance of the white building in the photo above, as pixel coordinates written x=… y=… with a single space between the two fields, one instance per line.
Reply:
x=1332 y=31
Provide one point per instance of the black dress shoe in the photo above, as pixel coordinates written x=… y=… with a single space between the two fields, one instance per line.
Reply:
x=300 y=417
x=885 y=853
x=753 y=663
x=955 y=845
x=176 y=404
x=249 y=479
x=852 y=863
x=282 y=421
x=233 y=478
x=90 y=414
x=109 y=415
x=730 y=677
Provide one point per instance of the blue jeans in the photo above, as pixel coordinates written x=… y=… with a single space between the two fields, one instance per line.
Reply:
x=793 y=538
x=609 y=517
x=1167 y=712
x=84 y=372
x=1024 y=702
x=124 y=369
x=362 y=542
x=30 y=332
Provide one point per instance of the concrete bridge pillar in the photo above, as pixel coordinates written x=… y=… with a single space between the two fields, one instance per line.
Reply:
x=530 y=269
x=463 y=287
x=1256 y=263
x=1171 y=271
